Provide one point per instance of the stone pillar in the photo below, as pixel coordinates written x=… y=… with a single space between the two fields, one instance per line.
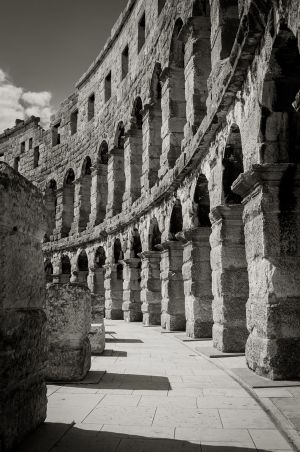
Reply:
x=197 y=70
x=116 y=182
x=23 y=346
x=173 y=304
x=69 y=323
x=95 y=281
x=229 y=278
x=58 y=231
x=99 y=194
x=272 y=223
x=133 y=152
x=113 y=292
x=132 y=290
x=75 y=228
x=152 y=145
x=173 y=117
x=151 y=288
x=196 y=272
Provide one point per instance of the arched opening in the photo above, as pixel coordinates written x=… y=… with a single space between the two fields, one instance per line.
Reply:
x=154 y=235
x=229 y=20
x=68 y=203
x=136 y=243
x=83 y=267
x=99 y=262
x=117 y=250
x=176 y=222
x=103 y=153
x=232 y=165
x=280 y=120
x=134 y=145
x=51 y=204
x=177 y=100
x=48 y=267
x=65 y=269
x=116 y=177
x=201 y=8
x=155 y=128
x=85 y=194
x=202 y=202
x=100 y=188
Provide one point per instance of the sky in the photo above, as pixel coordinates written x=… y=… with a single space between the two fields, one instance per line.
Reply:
x=45 y=47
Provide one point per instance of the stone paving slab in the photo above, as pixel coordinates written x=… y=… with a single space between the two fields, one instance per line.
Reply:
x=256 y=381
x=212 y=352
x=157 y=396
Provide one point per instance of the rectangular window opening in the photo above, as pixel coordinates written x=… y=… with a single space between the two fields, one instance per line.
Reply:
x=56 y=134
x=36 y=157
x=125 y=62
x=91 y=107
x=141 y=32
x=22 y=147
x=30 y=143
x=107 y=87
x=74 y=122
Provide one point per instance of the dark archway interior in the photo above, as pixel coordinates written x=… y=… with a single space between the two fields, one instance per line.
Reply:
x=176 y=223
x=154 y=236
x=65 y=265
x=136 y=243
x=202 y=201
x=118 y=253
x=83 y=263
x=100 y=257
x=103 y=153
x=232 y=165
x=280 y=123
x=201 y=8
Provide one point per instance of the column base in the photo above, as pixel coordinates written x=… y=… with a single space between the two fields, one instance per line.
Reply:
x=197 y=329
x=277 y=359
x=229 y=339
x=173 y=322
x=113 y=314
x=132 y=316
x=151 y=314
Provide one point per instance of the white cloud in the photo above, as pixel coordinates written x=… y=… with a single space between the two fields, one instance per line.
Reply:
x=16 y=103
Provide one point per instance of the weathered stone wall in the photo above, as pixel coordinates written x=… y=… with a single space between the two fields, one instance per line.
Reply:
x=22 y=308
x=206 y=90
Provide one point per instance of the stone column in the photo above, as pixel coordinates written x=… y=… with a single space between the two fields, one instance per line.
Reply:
x=173 y=304
x=197 y=283
x=116 y=182
x=23 y=343
x=75 y=228
x=229 y=278
x=113 y=292
x=151 y=288
x=99 y=194
x=272 y=223
x=132 y=290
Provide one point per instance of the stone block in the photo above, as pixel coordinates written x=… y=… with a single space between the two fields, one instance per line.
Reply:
x=97 y=338
x=69 y=323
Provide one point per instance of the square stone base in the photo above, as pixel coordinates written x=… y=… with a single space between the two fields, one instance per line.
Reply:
x=230 y=338
x=133 y=316
x=113 y=314
x=197 y=329
x=152 y=318
x=173 y=322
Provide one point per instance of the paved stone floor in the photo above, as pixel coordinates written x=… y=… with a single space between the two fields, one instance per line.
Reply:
x=157 y=395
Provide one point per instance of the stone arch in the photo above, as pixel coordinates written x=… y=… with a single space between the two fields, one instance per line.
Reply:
x=232 y=165
x=280 y=116
x=50 y=198
x=68 y=202
x=154 y=143
x=154 y=235
x=85 y=194
x=65 y=268
x=176 y=221
x=202 y=202
x=116 y=172
x=176 y=91
x=83 y=267
x=48 y=267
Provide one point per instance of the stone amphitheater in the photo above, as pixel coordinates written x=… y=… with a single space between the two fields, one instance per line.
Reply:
x=170 y=176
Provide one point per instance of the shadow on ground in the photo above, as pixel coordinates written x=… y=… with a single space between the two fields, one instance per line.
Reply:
x=124 y=341
x=69 y=438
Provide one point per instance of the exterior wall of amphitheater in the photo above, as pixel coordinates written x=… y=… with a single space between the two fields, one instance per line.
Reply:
x=175 y=172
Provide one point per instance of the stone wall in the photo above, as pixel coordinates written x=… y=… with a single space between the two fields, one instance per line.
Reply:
x=211 y=93
x=22 y=308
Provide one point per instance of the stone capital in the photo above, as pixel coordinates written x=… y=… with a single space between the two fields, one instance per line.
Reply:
x=148 y=255
x=197 y=234
x=269 y=174
x=226 y=212
x=174 y=244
